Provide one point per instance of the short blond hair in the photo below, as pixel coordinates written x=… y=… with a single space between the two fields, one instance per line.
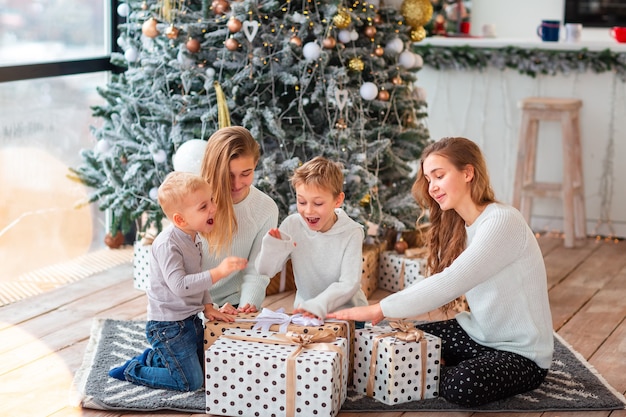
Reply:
x=175 y=188
x=320 y=172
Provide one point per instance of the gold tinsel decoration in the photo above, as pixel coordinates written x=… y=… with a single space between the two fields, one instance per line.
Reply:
x=342 y=19
x=416 y=12
x=417 y=34
x=356 y=64
x=223 y=115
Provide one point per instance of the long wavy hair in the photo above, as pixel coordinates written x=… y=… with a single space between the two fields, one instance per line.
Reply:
x=223 y=146
x=446 y=236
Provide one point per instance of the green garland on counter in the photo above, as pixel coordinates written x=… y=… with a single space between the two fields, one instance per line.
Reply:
x=529 y=62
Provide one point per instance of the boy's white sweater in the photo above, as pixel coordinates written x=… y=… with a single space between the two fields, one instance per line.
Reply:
x=326 y=266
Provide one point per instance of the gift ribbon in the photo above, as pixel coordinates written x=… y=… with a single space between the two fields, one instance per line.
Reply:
x=321 y=340
x=268 y=318
x=406 y=332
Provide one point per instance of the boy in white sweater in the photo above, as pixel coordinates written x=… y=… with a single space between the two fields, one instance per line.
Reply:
x=324 y=244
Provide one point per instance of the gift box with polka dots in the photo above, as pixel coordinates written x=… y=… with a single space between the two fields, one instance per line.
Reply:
x=247 y=373
x=397 y=271
x=401 y=371
x=141 y=265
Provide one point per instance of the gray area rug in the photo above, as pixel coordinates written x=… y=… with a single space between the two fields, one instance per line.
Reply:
x=571 y=385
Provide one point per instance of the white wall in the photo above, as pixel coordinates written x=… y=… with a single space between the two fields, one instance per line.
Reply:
x=483 y=106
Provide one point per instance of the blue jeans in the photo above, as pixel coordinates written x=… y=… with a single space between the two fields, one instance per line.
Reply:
x=176 y=359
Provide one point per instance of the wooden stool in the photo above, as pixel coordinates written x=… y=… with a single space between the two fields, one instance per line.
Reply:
x=571 y=189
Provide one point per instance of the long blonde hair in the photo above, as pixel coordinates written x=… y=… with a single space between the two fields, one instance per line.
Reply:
x=223 y=146
x=446 y=236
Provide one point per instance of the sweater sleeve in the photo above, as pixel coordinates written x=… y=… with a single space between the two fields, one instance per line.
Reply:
x=254 y=282
x=274 y=253
x=496 y=244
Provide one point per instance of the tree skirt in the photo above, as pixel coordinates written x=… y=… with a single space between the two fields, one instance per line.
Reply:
x=572 y=383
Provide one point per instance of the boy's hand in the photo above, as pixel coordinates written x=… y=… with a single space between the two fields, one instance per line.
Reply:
x=210 y=313
x=306 y=314
x=274 y=233
x=248 y=308
x=227 y=267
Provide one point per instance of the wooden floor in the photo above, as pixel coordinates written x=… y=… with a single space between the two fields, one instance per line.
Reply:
x=42 y=339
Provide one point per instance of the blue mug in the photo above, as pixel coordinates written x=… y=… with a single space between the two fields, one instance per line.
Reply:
x=548 y=30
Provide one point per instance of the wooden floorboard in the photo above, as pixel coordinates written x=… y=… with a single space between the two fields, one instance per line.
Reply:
x=43 y=339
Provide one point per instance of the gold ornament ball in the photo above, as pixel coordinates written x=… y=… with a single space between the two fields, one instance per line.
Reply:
x=172 y=32
x=383 y=95
x=379 y=51
x=356 y=64
x=329 y=42
x=418 y=34
x=369 y=31
x=397 y=80
x=193 y=45
x=234 y=25
x=149 y=28
x=377 y=19
x=416 y=12
x=231 y=44
x=296 y=40
x=342 y=20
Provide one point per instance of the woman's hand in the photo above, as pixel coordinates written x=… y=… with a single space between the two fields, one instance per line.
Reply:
x=371 y=313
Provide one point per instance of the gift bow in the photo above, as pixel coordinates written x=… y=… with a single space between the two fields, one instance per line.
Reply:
x=406 y=332
x=320 y=340
x=268 y=318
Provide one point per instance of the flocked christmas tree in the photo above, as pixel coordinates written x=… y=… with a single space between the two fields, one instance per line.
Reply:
x=305 y=77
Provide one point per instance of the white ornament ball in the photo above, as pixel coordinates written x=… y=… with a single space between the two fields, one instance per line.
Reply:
x=407 y=59
x=420 y=94
x=188 y=157
x=154 y=193
x=344 y=36
x=102 y=147
x=369 y=91
x=210 y=72
x=419 y=61
x=121 y=42
x=131 y=54
x=159 y=156
x=395 y=46
x=123 y=10
x=311 y=51
x=354 y=35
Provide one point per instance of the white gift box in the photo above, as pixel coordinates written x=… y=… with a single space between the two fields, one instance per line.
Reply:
x=395 y=371
x=397 y=272
x=262 y=373
x=141 y=265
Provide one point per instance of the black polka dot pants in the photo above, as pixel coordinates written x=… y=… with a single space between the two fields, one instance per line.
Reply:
x=474 y=374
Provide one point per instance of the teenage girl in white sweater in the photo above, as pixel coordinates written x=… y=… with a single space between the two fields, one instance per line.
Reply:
x=244 y=215
x=485 y=250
